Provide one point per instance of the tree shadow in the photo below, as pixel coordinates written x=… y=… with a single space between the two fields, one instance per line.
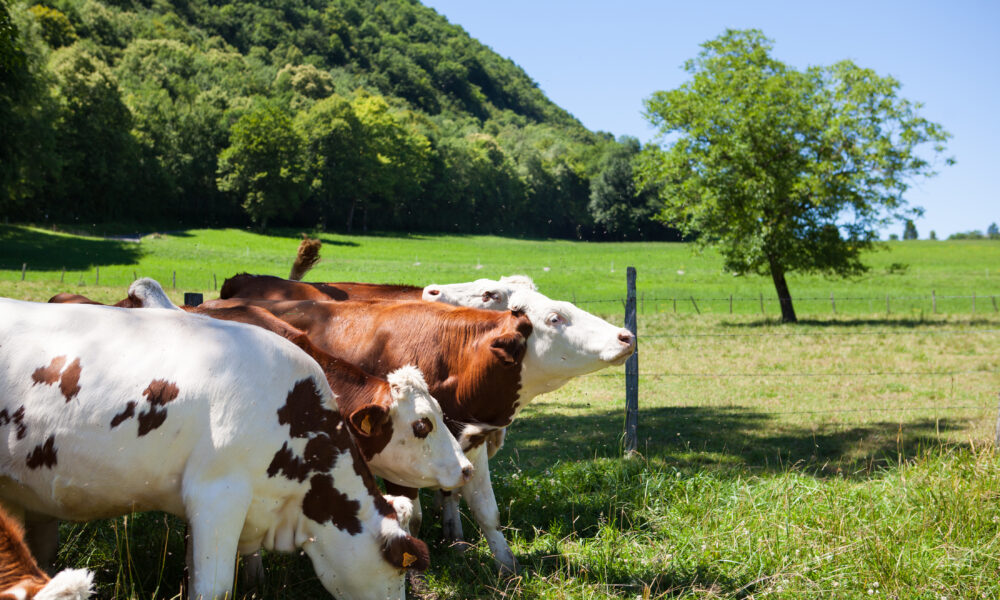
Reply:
x=848 y=323
x=693 y=437
x=298 y=234
x=48 y=252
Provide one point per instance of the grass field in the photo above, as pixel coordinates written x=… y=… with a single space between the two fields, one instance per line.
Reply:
x=848 y=456
x=909 y=271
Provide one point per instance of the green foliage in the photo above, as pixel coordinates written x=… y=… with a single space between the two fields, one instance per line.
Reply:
x=993 y=232
x=910 y=230
x=263 y=164
x=56 y=27
x=442 y=133
x=975 y=234
x=785 y=170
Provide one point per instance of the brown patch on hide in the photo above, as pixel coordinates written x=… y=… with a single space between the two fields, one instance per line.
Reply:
x=287 y=464
x=124 y=415
x=69 y=380
x=158 y=394
x=69 y=383
x=44 y=455
x=305 y=414
x=323 y=503
x=50 y=374
x=406 y=552
x=17 y=418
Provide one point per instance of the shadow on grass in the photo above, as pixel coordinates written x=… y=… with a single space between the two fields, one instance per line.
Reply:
x=696 y=437
x=49 y=252
x=849 y=323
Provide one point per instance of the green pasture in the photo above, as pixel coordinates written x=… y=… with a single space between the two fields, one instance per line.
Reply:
x=669 y=274
x=848 y=456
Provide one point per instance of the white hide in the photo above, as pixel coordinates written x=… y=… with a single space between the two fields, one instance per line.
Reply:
x=434 y=460
x=481 y=293
x=208 y=460
x=150 y=294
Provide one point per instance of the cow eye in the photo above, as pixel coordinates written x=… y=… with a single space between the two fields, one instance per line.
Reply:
x=556 y=319
x=488 y=296
x=423 y=427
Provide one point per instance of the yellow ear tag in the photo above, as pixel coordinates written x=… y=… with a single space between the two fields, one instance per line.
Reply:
x=408 y=559
x=365 y=426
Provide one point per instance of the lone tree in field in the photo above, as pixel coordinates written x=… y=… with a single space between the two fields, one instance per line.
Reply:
x=784 y=170
x=910 y=230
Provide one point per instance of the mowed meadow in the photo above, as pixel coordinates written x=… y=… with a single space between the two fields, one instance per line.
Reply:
x=849 y=456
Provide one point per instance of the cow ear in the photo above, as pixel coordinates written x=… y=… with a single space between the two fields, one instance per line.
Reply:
x=508 y=347
x=370 y=420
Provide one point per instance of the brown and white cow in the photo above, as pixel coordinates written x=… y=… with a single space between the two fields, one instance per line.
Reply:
x=22 y=579
x=483 y=366
x=106 y=411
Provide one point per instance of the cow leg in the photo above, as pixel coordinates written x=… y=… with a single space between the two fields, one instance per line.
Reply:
x=216 y=512
x=252 y=575
x=42 y=537
x=451 y=519
x=478 y=493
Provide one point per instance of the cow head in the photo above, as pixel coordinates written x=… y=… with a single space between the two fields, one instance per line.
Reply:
x=481 y=293
x=566 y=342
x=147 y=293
x=367 y=566
x=420 y=451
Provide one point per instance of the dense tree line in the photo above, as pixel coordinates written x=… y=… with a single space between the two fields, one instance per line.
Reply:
x=347 y=114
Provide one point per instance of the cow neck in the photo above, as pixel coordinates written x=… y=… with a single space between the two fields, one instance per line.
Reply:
x=355 y=389
x=487 y=390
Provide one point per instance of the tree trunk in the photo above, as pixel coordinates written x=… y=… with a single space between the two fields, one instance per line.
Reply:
x=784 y=296
x=350 y=215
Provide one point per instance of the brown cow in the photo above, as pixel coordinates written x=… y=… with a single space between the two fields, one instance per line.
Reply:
x=22 y=579
x=267 y=287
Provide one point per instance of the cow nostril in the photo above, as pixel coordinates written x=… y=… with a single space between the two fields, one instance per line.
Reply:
x=434 y=292
x=467 y=472
x=626 y=338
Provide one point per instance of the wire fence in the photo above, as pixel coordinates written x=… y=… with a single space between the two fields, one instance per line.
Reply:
x=633 y=304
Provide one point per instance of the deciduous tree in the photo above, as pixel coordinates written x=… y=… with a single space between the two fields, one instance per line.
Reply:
x=785 y=170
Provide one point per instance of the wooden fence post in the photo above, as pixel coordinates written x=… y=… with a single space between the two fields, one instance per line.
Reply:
x=24 y=269
x=62 y=275
x=175 y=280
x=193 y=299
x=97 y=276
x=934 y=301
x=998 y=423
x=631 y=369
x=833 y=304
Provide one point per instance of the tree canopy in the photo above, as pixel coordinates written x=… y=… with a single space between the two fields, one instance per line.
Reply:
x=399 y=120
x=785 y=170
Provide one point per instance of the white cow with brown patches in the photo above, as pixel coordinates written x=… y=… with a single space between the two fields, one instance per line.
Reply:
x=106 y=411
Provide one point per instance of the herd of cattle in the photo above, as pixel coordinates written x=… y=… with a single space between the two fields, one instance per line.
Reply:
x=261 y=417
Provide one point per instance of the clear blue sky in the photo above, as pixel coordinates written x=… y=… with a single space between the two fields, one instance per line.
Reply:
x=599 y=60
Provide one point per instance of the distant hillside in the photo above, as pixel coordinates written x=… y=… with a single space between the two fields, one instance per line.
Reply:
x=347 y=114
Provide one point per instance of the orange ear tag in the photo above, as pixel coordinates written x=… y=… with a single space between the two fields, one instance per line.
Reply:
x=408 y=559
x=365 y=426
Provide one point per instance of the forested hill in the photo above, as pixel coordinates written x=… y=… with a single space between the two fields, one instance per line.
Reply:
x=347 y=114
